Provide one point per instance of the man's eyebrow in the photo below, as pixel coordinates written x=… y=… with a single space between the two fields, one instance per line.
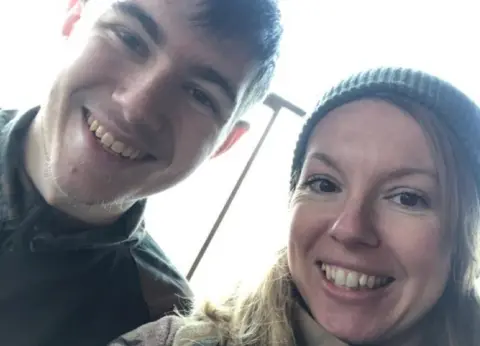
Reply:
x=213 y=76
x=133 y=10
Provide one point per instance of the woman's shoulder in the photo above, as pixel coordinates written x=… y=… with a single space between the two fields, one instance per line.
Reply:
x=198 y=333
x=170 y=331
x=161 y=332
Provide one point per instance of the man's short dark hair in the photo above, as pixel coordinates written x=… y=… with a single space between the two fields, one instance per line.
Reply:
x=257 y=24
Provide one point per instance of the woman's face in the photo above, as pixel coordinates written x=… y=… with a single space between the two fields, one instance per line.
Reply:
x=365 y=248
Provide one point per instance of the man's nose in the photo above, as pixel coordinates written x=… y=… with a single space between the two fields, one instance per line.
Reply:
x=147 y=94
x=354 y=226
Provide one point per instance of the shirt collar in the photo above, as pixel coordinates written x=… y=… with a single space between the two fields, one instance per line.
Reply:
x=16 y=194
x=311 y=333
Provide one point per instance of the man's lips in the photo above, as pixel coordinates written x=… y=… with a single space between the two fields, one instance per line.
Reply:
x=111 y=142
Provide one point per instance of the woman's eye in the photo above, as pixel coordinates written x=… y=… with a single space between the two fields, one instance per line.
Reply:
x=323 y=185
x=410 y=200
x=132 y=42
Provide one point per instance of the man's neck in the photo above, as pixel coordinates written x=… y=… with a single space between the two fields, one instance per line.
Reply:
x=37 y=167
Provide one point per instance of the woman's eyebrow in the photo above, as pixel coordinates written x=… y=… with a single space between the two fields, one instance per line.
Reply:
x=397 y=173
x=405 y=171
x=325 y=159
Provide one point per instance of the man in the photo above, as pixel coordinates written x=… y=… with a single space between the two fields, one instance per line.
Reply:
x=148 y=90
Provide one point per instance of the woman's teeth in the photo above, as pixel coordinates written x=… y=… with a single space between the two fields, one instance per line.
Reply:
x=109 y=141
x=353 y=280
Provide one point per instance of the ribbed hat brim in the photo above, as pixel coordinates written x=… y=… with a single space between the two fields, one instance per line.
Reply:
x=457 y=111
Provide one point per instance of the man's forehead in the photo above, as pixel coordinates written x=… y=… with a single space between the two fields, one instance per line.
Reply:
x=186 y=10
x=212 y=57
x=225 y=62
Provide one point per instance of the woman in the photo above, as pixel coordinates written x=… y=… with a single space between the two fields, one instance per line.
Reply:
x=383 y=236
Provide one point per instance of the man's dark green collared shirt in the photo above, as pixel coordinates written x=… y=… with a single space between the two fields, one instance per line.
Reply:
x=81 y=287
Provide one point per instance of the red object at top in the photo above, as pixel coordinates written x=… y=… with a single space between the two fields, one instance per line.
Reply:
x=72 y=3
x=239 y=130
x=74 y=10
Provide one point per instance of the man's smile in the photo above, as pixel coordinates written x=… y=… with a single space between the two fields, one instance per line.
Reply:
x=110 y=142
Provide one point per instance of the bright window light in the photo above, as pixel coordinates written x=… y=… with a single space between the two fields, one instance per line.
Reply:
x=324 y=41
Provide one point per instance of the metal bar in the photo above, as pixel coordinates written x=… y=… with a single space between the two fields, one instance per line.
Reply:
x=276 y=103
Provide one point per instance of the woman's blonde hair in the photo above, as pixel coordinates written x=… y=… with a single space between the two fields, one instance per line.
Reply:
x=257 y=317
x=262 y=316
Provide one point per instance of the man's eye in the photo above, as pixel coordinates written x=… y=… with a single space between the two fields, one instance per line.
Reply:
x=201 y=97
x=322 y=185
x=409 y=200
x=132 y=41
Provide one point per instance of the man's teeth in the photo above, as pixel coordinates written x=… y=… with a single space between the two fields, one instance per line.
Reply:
x=354 y=280
x=108 y=141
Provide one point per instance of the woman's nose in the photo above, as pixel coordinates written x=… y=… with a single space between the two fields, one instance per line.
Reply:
x=354 y=227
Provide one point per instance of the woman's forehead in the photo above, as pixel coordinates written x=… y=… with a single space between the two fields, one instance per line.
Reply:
x=373 y=131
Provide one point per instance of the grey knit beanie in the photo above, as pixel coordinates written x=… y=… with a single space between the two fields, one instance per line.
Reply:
x=459 y=113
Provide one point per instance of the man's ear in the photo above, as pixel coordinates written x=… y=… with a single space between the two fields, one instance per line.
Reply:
x=239 y=129
x=74 y=12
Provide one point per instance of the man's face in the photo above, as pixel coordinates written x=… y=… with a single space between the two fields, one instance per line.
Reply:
x=141 y=101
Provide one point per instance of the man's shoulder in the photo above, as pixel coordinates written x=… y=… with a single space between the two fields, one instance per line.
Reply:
x=150 y=256
x=11 y=119
x=164 y=288
x=6 y=116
